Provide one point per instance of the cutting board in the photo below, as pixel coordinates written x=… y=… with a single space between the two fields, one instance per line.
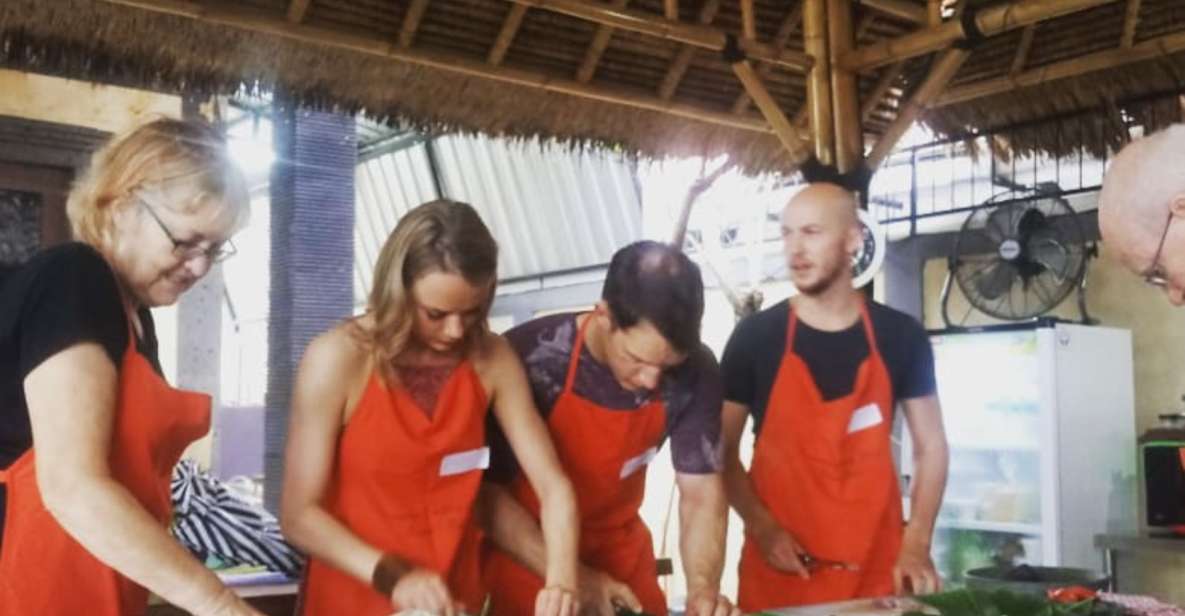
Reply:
x=858 y=607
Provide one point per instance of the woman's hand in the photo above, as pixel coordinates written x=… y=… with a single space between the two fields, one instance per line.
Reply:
x=424 y=590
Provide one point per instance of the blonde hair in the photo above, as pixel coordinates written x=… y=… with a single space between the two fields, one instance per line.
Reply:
x=438 y=236
x=188 y=159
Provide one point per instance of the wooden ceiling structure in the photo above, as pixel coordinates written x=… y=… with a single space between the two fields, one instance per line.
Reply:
x=775 y=84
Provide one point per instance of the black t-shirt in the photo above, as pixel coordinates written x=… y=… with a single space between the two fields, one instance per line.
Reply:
x=754 y=352
x=64 y=296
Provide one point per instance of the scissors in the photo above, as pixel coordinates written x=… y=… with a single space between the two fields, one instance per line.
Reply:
x=814 y=562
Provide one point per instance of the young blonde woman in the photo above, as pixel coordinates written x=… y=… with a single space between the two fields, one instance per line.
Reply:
x=387 y=440
x=89 y=430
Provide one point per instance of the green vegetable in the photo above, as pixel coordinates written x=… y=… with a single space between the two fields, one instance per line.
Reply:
x=965 y=602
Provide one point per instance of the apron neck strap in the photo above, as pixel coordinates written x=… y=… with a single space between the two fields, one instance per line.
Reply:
x=577 y=347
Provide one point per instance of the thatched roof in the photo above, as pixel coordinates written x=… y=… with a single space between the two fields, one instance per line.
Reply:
x=376 y=56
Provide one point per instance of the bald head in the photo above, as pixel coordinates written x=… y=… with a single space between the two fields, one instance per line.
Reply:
x=820 y=234
x=1139 y=190
x=828 y=202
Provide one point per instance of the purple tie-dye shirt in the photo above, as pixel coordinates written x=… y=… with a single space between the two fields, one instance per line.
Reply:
x=691 y=392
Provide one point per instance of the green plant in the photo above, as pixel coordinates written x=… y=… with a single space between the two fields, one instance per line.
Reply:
x=965 y=602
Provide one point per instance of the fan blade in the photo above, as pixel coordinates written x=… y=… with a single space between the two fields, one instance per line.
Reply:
x=999 y=221
x=995 y=280
x=1032 y=221
x=1053 y=255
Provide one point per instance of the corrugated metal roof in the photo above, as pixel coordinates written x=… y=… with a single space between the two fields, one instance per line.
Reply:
x=551 y=209
x=385 y=188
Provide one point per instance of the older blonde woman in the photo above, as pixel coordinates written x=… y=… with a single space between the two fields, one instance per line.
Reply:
x=89 y=430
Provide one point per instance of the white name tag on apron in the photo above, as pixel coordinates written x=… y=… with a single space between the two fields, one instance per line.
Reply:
x=865 y=417
x=632 y=465
x=465 y=461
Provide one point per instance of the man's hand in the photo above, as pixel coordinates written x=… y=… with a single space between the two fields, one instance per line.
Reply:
x=710 y=603
x=424 y=590
x=914 y=572
x=599 y=593
x=781 y=551
x=555 y=601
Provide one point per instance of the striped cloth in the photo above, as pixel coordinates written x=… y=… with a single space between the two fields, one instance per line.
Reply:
x=214 y=523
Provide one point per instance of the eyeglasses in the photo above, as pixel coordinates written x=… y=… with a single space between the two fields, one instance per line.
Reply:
x=1155 y=274
x=187 y=250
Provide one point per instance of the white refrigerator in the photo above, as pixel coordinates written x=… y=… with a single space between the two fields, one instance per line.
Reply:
x=1041 y=428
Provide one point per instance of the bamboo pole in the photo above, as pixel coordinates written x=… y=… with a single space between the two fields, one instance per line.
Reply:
x=990 y=21
x=675 y=72
x=934 y=12
x=596 y=49
x=886 y=81
x=297 y=10
x=901 y=9
x=671 y=9
x=1022 y=50
x=411 y=22
x=1146 y=50
x=789 y=23
x=940 y=74
x=510 y=26
x=682 y=61
x=1130 y=21
x=845 y=97
x=785 y=132
x=255 y=20
x=748 y=20
x=644 y=23
x=818 y=83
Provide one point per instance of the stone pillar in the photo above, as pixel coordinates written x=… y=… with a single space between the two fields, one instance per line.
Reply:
x=312 y=256
x=199 y=349
x=199 y=335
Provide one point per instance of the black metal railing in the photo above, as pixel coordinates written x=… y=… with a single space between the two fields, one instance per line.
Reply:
x=1060 y=156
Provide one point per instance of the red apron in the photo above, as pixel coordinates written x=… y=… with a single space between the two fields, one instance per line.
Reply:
x=45 y=571
x=605 y=453
x=824 y=469
x=406 y=484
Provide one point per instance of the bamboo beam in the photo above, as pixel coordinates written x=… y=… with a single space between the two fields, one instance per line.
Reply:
x=989 y=21
x=411 y=22
x=644 y=23
x=901 y=9
x=297 y=10
x=785 y=132
x=886 y=81
x=671 y=9
x=940 y=74
x=255 y=20
x=1131 y=20
x=789 y=24
x=1113 y=58
x=862 y=28
x=818 y=83
x=748 y=20
x=845 y=97
x=934 y=12
x=596 y=49
x=510 y=26
x=1022 y=50
x=682 y=61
